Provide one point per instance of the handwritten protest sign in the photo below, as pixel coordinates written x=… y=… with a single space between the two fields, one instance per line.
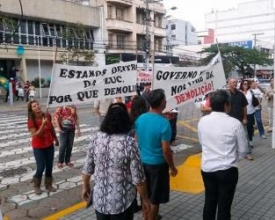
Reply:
x=185 y=84
x=82 y=84
x=144 y=76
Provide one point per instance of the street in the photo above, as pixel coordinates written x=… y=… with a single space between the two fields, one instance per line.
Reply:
x=17 y=164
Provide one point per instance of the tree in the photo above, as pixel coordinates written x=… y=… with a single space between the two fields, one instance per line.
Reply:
x=76 y=32
x=238 y=57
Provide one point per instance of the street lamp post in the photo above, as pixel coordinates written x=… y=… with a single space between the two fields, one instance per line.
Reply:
x=255 y=43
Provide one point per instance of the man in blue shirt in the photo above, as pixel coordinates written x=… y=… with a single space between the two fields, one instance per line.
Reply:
x=154 y=135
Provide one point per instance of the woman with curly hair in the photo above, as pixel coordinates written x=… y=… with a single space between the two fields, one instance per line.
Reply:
x=113 y=158
x=43 y=137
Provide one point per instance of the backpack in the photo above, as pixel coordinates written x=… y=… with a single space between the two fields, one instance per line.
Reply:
x=255 y=101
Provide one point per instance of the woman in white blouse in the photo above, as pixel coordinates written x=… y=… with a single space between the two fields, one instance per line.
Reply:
x=245 y=88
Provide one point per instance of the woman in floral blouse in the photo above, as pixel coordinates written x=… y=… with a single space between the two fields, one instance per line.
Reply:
x=113 y=158
x=66 y=121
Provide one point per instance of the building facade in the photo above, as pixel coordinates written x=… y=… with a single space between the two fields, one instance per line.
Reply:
x=180 y=33
x=250 y=21
x=125 y=29
x=31 y=40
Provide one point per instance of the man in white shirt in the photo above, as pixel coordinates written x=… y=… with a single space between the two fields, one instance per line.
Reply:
x=222 y=147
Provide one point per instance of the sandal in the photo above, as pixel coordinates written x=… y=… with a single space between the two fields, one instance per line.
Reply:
x=69 y=164
x=60 y=165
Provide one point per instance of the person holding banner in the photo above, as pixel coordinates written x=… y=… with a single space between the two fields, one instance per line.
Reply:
x=154 y=135
x=101 y=107
x=146 y=91
x=43 y=137
x=114 y=160
x=66 y=121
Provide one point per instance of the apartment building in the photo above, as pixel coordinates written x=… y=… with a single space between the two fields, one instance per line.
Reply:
x=180 y=33
x=125 y=28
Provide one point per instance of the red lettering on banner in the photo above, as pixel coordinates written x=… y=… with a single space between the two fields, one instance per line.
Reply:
x=194 y=93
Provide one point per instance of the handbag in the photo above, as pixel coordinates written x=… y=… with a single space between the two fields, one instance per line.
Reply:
x=255 y=101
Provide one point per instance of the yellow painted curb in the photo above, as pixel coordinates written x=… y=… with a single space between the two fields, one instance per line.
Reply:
x=66 y=211
x=6 y=218
x=183 y=123
x=188 y=138
x=189 y=176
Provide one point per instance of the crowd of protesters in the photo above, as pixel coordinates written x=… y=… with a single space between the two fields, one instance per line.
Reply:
x=131 y=151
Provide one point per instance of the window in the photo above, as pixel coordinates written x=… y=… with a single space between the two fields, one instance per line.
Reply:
x=37 y=28
x=141 y=43
x=173 y=37
x=119 y=13
x=45 y=29
x=51 y=30
x=111 y=40
x=140 y=17
x=120 y=41
x=109 y=12
x=173 y=27
x=158 y=45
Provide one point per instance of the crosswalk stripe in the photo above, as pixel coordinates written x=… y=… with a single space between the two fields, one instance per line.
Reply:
x=23 y=128
x=16 y=151
x=27 y=140
x=21 y=134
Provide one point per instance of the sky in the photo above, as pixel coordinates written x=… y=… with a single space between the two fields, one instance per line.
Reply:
x=195 y=10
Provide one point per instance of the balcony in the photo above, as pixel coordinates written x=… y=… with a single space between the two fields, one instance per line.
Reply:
x=124 y=3
x=122 y=46
x=119 y=25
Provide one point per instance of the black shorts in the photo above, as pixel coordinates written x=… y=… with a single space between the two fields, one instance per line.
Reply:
x=158 y=185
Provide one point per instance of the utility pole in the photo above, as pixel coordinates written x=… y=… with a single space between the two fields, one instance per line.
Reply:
x=255 y=43
x=147 y=37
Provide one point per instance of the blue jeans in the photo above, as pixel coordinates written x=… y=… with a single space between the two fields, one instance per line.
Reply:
x=66 y=145
x=258 y=118
x=44 y=159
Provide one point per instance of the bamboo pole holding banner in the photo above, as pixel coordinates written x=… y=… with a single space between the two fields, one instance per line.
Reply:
x=54 y=60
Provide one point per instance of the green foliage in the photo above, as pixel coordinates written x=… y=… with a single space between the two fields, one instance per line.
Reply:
x=112 y=58
x=237 y=57
x=77 y=55
x=76 y=32
x=35 y=82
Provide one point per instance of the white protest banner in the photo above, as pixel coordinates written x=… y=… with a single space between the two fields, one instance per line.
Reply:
x=185 y=84
x=144 y=76
x=82 y=84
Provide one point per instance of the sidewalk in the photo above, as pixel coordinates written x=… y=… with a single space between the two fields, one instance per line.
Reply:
x=22 y=105
x=254 y=197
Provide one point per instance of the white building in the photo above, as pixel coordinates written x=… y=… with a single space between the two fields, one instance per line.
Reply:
x=250 y=21
x=33 y=38
x=179 y=33
x=113 y=27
